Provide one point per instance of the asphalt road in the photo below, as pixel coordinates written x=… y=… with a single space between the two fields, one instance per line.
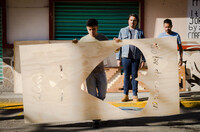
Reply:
x=12 y=120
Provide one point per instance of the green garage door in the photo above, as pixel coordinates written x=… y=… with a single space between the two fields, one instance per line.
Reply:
x=70 y=18
x=1 y=49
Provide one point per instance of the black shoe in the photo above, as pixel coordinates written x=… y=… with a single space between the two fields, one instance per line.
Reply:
x=96 y=124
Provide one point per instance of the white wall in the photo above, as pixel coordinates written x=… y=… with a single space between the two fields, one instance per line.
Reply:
x=27 y=20
x=157 y=10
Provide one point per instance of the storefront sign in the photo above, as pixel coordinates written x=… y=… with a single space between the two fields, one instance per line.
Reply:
x=193 y=23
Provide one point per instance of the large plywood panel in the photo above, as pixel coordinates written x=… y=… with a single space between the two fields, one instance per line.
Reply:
x=17 y=67
x=51 y=88
x=108 y=62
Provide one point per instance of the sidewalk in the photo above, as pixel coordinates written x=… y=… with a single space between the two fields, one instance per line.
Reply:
x=10 y=100
x=187 y=100
x=12 y=117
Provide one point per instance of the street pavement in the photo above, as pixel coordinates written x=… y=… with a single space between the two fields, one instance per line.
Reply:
x=12 y=118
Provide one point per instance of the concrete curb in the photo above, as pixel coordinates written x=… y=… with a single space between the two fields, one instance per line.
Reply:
x=10 y=100
x=141 y=104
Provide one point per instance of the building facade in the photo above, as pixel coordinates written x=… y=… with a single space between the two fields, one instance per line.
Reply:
x=65 y=20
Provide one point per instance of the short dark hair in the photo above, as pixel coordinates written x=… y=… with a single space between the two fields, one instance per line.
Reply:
x=134 y=15
x=168 y=21
x=92 y=22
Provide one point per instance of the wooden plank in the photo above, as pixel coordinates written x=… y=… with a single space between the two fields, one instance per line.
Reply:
x=52 y=75
x=17 y=68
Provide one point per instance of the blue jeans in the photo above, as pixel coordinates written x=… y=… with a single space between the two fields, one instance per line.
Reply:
x=97 y=85
x=130 y=67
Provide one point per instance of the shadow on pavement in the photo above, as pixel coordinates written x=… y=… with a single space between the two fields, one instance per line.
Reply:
x=10 y=114
x=189 y=94
x=10 y=111
x=11 y=118
x=174 y=120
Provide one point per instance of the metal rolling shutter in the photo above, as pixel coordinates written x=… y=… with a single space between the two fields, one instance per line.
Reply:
x=1 y=49
x=70 y=18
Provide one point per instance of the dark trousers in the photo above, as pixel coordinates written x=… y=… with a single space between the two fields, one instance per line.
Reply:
x=130 y=67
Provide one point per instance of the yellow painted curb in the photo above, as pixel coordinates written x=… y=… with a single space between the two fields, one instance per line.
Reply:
x=140 y=104
x=11 y=105
x=190 y=104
